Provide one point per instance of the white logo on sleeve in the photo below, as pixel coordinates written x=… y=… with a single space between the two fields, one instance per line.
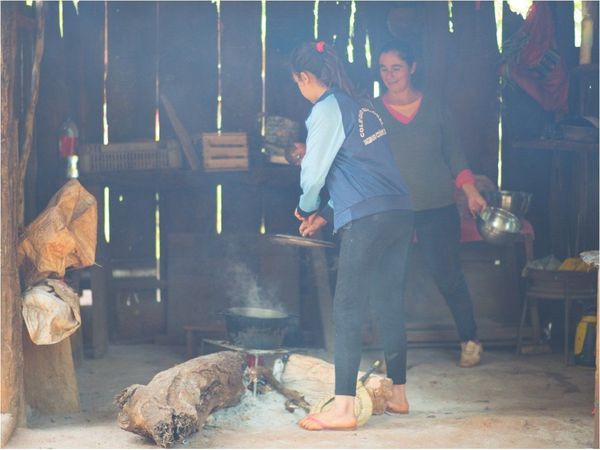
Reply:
x=361 y=126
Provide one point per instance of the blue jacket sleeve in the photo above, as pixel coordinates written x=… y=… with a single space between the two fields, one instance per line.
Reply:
x=325 y=138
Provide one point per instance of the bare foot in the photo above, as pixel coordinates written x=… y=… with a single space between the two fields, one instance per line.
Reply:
x=398 y=403
x=339 y=417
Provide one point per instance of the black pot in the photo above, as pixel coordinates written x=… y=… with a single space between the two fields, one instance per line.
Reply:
x=256 y=328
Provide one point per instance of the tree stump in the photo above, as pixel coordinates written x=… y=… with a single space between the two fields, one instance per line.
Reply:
x=177 y=401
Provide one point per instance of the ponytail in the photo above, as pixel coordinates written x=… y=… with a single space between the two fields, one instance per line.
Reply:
x=323 y=62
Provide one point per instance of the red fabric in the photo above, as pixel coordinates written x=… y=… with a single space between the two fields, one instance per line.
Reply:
x=464 y=177
x=537 y=68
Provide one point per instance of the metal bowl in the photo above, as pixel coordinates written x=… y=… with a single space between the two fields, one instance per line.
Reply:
x=511 y=201
x=498 y=226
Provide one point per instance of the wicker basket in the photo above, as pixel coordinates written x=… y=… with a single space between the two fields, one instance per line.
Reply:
x=130 y=156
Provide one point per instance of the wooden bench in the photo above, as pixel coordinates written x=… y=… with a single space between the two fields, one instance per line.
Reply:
x=214 y=330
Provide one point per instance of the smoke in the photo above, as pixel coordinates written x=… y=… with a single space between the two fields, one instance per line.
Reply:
x=243 y=289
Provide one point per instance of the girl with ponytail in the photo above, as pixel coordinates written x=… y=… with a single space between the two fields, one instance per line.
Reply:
x=347 y=150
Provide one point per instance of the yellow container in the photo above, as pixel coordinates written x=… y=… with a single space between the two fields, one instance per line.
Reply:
x=585 y=341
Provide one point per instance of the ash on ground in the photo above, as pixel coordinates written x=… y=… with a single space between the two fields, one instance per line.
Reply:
x=255 y=412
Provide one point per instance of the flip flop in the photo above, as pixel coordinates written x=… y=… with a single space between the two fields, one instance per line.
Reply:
x=391 y=412
x=323 y=426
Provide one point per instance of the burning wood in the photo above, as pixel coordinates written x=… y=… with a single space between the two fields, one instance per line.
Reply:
x=294 y=398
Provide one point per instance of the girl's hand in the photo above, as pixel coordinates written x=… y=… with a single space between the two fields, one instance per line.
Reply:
x=297 y=154
x=298 y=216
x=311 y=225
x=475 y=201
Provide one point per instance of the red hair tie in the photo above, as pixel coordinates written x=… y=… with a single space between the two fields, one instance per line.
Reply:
x=320 y=46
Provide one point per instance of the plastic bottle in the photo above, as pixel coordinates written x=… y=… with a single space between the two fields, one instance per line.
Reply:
x=67 y=141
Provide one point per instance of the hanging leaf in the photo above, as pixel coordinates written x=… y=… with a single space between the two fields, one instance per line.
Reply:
x=76 y=5
x=29 y=2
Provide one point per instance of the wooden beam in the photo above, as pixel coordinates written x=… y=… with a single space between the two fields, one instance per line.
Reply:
x=31 y=108
x=182 y=134
x=11 y=394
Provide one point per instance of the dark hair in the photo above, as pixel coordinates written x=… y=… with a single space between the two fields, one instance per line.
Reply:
x=325 y=65
x=402 y=48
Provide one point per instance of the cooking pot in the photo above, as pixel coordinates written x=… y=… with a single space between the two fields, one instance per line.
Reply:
x=256 y=328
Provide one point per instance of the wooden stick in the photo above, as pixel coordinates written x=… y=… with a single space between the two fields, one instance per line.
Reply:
x=293 y=396
x=31 y=108
x=181 y=132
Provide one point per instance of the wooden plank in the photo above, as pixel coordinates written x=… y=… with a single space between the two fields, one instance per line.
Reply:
x=99 y=323
x=556 y=144
x=181 y=132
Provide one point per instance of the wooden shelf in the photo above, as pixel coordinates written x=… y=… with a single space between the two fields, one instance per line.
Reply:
x=276 y=176
x=557 y=145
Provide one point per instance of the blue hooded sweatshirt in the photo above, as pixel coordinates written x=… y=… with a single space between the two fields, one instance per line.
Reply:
x=347 y=149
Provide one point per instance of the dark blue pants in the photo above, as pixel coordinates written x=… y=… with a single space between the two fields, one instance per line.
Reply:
x=371 y=266
x=438 y=235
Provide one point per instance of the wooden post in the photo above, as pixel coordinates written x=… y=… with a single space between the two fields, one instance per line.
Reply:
x=597 y=389
x=50 y=381
x=31 y=109
x=11 y=394
x=98 y=283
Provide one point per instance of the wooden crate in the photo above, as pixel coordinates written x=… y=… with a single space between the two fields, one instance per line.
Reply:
x=225 y=151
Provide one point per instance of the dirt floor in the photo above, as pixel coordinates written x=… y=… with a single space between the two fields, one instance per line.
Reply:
x=507 y=402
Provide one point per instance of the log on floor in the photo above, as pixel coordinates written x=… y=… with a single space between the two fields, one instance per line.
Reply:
x=315 y=379
x=177 y=401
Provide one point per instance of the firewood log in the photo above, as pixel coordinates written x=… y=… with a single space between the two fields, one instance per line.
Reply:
x=177 y=401
x=315 y=379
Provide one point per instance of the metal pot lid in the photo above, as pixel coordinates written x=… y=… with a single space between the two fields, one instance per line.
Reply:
x=288 y=239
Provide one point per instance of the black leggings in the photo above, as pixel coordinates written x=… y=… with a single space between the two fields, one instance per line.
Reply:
x=372 y=265
x=438 y=234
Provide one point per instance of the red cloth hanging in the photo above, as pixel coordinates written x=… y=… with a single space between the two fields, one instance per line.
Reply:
x=537 y=67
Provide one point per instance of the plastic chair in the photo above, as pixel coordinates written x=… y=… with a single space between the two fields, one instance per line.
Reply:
x=568 y=286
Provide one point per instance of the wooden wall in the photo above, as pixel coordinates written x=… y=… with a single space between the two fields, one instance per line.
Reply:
x=459 y=67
